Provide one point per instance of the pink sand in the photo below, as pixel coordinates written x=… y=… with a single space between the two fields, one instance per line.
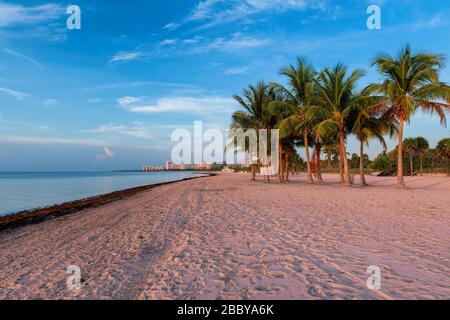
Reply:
x=226 y=237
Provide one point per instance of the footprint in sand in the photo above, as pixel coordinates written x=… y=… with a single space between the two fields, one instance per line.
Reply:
x=278 y=274
x=316 y=291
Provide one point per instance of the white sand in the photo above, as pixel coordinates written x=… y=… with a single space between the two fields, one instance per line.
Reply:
x=225 y=237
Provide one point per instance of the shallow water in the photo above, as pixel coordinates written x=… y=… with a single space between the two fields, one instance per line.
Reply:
x=27 y=190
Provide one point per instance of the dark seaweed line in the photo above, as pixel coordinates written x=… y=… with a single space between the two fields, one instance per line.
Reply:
x=33 y=216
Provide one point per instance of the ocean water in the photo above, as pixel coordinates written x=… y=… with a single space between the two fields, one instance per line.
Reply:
x=28 y=190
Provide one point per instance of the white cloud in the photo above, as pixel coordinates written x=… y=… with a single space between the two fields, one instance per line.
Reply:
x=234 y=42
x=194 y=40
x=137 y=131
x=125 y=101
x=45 y=22
x=124 y=56
x=50 y=102
x=17 y=14
x=188 y=104
x=171 y=26
x=108 y=152
x=168 y=42
x=214 y=12
x=16 y=94
x=236 y=70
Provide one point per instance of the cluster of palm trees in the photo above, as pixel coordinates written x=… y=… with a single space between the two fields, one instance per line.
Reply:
x=419 y=157
x=416 y=147
x=321 y=109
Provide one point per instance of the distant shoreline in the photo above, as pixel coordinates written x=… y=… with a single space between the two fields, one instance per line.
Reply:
x=37 y=215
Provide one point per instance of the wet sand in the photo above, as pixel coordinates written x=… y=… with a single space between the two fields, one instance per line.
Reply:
x=226 y=237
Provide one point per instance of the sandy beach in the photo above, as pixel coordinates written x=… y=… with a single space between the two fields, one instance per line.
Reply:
x=226 y=237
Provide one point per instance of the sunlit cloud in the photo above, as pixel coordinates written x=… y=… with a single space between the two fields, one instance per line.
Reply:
x=187 y=104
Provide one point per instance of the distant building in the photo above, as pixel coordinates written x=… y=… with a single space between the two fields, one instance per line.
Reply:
x=152 y=168
x=169 y=166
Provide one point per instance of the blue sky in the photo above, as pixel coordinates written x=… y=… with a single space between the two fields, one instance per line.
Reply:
x=109 y=95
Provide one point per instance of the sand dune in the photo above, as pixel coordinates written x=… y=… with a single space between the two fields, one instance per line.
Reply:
x=226 y=237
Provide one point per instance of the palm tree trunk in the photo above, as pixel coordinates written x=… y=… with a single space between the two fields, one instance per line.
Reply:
x=411 y=166
x=361 y=165
x=308 y=160
x=318 y=150
x=341 y=163
x=286 y=158
x=421 y=164
x=344 y=153
x=448 y=169
x=400 y=179
x=280 y=164
x=314 y=162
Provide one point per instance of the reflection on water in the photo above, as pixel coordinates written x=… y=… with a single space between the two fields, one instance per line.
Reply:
x=28 y=190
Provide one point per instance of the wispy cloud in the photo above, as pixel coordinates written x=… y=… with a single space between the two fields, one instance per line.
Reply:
x=125 y=101
x=168 y=42
x=215 y=12
x=127 y=56
x=16 y=94
x=209 y=104
x=50 y=102
x=94 y=100
x=23 y=56
x=46 y=140
x=41 y=21
x=137 y=131
x=171 y=26
x=139 y=84
x=236 y=70
x=236 y=41
x=46 y=129
x=17 y=14
x=435 y=21
x=197 y=45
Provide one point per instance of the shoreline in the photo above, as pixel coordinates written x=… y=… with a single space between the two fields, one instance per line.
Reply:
x=37 y=215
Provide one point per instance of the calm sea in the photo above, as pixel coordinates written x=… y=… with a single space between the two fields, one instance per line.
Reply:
x=28 y=190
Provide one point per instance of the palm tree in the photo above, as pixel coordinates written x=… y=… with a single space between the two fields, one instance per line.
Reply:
x=298 y=97
x=336 y=99
x=409 y=145
x=411 y=82
x=434 y=156
x=369 y=125
x=422 y=146
x=443 y=147
x=254 y=116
